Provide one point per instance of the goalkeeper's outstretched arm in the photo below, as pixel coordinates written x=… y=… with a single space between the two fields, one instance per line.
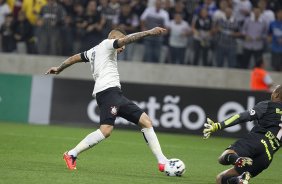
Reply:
x=255 y=113
x=236 y=119
x=211 y=126
x=68 y=62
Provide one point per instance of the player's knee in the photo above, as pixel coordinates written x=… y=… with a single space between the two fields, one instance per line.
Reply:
x=219 y=178
x=221 y=160
x=106 y=131
x=145 y=121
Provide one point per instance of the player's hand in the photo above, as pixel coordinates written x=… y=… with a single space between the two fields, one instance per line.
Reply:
x=210 y=127
x=157 y=31
x=53 y=70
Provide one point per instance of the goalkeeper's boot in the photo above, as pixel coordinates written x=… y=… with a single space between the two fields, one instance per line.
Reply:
x=244 y=178
x=161 y=167
x=70 y=161
x=243 y=161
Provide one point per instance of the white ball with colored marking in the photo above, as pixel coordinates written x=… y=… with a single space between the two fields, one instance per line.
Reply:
x=174 y=167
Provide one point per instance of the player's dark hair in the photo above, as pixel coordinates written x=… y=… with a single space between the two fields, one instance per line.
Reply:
x=120 y=30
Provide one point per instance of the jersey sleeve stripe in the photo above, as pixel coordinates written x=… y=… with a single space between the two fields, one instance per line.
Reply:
x=84 y=57
x=115 y=44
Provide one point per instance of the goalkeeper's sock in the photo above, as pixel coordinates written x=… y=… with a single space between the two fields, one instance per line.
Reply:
x=89 y=141
x=153 y=142
x=230 y=180
x=230 y=158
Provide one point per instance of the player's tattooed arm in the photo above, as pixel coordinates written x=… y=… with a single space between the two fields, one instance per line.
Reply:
x=139 y=35
x=68 y=62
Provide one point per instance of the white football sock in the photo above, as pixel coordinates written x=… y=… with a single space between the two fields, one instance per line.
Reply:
x=89 y=141
x=153 y=142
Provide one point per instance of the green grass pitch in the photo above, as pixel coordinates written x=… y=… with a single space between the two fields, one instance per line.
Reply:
x=33 y=154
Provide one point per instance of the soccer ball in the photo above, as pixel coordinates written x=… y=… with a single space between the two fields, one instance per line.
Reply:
x=174 y=167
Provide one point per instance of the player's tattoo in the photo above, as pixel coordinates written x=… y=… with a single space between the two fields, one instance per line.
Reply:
x=70 y=61
x=132 y=38
x=63 y=66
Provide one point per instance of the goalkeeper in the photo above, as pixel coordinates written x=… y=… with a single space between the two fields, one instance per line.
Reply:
x=253 y=153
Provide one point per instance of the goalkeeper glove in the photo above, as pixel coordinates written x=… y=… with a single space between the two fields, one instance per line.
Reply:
x=210 y=127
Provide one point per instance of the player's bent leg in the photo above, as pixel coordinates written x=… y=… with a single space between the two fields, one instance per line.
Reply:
x=229 y=157
x=231 y=176
x=151 y=138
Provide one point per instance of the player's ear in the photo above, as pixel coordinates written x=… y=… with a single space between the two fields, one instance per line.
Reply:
x=277 y=96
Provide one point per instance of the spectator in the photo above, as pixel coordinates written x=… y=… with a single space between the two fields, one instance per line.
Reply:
x=49 y=25
x=67 y=36
x=115 y=6
x=103 y=7
x=209 y=5
x=94 y=24
x=275 y=33
x=178 y=39
x=260 y=79
x=8 y=41
x=109 y=11
x=219 y=14
x=275 y=5
x=79 y=27
x=138 y=6
x=202 y=27
x=242 y=10
x=106 y=12
x=127 y=21
x=24 y=34
x=255 y=32
x=32 y=9
x=15 y=6
x=190 y=7
x=267 y=15
x=227 y=31
x=4 y=10
x=168 y=4
x=152 y=17
x=178 y=8
x=68 y=6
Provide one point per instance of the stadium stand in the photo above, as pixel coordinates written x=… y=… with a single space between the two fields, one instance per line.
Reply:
x=58 y=27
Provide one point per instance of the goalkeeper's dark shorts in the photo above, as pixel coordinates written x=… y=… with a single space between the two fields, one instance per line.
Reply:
x=112 y=103
x=259 y=147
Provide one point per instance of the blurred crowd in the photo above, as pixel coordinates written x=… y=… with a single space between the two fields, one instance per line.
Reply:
x=231 y=33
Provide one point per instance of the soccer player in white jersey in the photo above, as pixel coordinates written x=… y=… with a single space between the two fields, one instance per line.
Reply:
x=107 y=90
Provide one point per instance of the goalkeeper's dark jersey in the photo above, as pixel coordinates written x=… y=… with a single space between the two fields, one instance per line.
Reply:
x=267 y=116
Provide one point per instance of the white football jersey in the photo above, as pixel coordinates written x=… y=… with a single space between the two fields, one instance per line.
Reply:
x=103 y=61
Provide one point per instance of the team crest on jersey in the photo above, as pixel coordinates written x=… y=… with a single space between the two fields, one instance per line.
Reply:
x=252 y=112
x=114 y=110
